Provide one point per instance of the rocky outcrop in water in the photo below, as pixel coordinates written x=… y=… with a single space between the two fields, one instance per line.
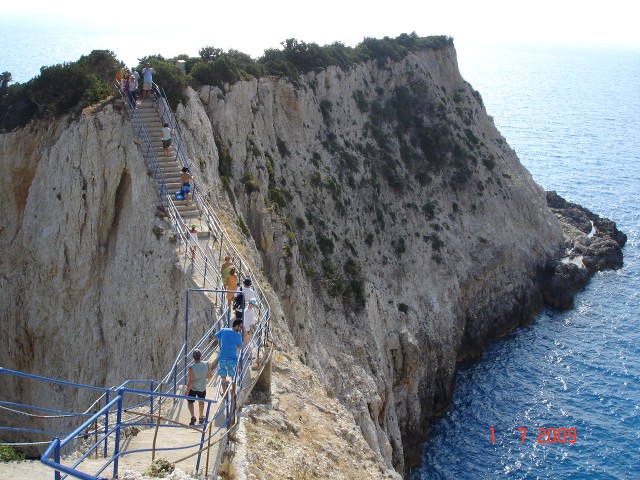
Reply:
x=592 y=244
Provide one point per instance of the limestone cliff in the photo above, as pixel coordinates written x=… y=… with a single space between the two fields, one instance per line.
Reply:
x=89 y=284
x=397 y=228
x=395 y=222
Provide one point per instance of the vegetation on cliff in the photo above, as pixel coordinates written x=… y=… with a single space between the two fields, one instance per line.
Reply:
x=69 y=87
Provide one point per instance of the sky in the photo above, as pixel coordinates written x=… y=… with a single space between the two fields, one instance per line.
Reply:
x=172 y=28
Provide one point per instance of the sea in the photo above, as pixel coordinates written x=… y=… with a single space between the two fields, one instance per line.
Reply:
x=560 y=398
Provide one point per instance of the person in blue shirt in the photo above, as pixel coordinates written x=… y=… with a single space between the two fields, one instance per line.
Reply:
x=230 y=342
x=147 y=79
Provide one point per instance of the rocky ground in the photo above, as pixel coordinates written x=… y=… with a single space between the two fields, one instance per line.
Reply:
x=300 y=433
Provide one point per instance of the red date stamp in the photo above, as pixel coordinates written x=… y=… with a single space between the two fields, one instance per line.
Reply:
x=546 y=435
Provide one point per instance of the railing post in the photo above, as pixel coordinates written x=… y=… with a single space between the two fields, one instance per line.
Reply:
x=204 y=431
x=106 y=426
x=206 y=265
x=186 y=334
x=56 y=457
x=116 y=449
x=151 y=397
x=266 y=336
x=175 y=379
x=220 y=254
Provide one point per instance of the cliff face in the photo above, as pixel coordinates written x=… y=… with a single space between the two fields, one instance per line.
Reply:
x=397 y=228
x=89 y=284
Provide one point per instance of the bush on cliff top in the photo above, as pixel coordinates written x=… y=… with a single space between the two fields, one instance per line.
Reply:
x=68 y=87
x=59 y=89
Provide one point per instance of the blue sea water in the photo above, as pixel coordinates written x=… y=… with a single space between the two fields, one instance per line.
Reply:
x=573 y=117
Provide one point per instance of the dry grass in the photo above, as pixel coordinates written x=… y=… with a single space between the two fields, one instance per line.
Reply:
x=227 y=470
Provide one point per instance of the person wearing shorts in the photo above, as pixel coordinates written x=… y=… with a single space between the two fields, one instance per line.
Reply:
x=186 y=178
x=147 y=79
x=166 y=138
x=230 y=342
x=199 y=373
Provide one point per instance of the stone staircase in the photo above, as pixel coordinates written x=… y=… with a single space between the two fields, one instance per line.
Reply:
x=171 y=167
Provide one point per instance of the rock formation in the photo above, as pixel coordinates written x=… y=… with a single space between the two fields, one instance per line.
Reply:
x=397 y=229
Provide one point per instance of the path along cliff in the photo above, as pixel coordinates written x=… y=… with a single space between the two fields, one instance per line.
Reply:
x=396 y=230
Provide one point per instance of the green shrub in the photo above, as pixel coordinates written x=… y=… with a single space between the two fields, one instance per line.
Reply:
x=316 y=179
x=369 y=239
x=436 y=242
x=361 y=101
x=8 y=454
x=209 y=53
x=489 y=162
x=351 y=268
x=172 y=81
x=96 y=90
x=315 y=159
x=216 y=72
x=404 y=308
x=325 y=244
x=400 y=246
x=224 y=160
x=282 y=148
x=244 y=228
x=160 y=468
x=278 y=196
x=250 y=183
x=227 y=188
x=300 y=223
x=59 y=89
x=471 y=136
x=429 y=209
x=325 y=109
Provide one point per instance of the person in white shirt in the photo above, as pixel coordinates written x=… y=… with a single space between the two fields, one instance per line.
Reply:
x=166 y=138
x=249 y=320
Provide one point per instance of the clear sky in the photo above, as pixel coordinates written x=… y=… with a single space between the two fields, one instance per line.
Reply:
x=173 y=27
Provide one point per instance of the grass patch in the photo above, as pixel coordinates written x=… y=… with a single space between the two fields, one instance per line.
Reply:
x=8 y=454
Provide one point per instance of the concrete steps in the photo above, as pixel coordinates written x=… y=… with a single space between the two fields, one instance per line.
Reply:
x=171 y=168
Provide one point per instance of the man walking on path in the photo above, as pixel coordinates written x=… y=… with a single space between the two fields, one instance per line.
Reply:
x=230 y=342
x=199 y=373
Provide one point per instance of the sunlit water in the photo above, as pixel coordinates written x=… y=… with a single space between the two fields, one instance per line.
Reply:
x=573 y=117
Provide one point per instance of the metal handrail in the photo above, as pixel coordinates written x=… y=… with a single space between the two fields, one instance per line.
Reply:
x=56 y=446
